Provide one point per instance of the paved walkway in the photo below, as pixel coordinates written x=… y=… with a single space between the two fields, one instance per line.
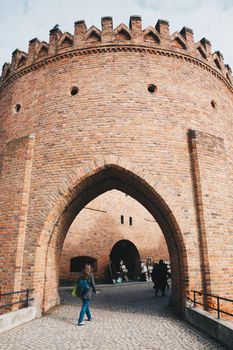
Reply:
x=126 y=317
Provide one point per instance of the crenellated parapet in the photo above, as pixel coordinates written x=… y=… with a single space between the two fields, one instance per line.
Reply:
x=153 y=38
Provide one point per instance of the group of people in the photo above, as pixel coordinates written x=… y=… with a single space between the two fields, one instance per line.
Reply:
x=122 y=271
x=159 y=273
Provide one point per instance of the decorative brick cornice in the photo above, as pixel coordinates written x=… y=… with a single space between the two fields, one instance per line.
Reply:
x=155 y=39
x=114 y=48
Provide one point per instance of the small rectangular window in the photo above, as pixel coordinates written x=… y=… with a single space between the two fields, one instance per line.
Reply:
x=122 y=219
x=130 y=221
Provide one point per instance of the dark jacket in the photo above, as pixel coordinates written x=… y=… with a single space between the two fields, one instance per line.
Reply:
x=91 y=287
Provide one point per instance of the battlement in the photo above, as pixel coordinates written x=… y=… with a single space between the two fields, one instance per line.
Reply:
x=157 y=37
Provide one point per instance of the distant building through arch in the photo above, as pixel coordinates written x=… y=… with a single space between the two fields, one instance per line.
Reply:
x=98 y=227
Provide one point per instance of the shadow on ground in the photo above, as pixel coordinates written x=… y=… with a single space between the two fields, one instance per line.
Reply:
x=139 y=298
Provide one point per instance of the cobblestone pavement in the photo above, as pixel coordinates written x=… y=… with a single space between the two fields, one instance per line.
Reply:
x=126 y=317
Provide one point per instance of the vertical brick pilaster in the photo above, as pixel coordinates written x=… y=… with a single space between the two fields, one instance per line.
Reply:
x=213 y=209
x=203 y=246
x=14 y=201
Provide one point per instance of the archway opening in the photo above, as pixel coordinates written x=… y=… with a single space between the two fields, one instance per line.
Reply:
x=126 y=252
x=110 y=228
x=75 y=198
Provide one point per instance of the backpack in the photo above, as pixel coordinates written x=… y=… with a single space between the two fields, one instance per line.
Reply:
x=81 y=288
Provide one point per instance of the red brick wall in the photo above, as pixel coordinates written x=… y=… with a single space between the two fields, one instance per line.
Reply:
x=127 y=138
x=98 y=227
x=15 y=180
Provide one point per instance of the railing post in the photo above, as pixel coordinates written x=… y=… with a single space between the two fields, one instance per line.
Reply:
x=218 y=306
x=194 y=298
x=27 y=297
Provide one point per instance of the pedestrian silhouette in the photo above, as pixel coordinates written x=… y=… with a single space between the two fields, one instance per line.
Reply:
x=159 y=277
x=86 y=283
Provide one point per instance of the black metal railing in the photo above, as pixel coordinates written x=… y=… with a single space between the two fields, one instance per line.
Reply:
x=24 y=301
x=205 y=304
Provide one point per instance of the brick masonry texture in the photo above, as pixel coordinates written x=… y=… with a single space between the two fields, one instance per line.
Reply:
x=170 y=149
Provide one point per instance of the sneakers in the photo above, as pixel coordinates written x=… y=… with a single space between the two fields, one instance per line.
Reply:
x=79 y=323
x=82 y=323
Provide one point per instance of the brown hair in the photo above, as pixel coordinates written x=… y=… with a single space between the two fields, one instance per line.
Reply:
x=86 y=271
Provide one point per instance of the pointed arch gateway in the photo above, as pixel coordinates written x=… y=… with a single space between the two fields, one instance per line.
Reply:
x=76 y=191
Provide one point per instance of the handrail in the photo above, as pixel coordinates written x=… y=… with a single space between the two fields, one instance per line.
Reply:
x=218 y=309
x=27 y=291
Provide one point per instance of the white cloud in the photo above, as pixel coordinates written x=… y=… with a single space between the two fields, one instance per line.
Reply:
x=22 y=20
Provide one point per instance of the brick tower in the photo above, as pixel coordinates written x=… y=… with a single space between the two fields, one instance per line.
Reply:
x=138 y=110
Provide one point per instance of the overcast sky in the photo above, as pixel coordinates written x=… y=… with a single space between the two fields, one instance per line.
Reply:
x=22 y=20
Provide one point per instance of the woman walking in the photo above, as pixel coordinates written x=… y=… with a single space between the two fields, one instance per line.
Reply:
x=86 y=284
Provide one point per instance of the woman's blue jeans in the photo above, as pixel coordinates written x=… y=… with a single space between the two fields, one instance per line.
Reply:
x=85 y=310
